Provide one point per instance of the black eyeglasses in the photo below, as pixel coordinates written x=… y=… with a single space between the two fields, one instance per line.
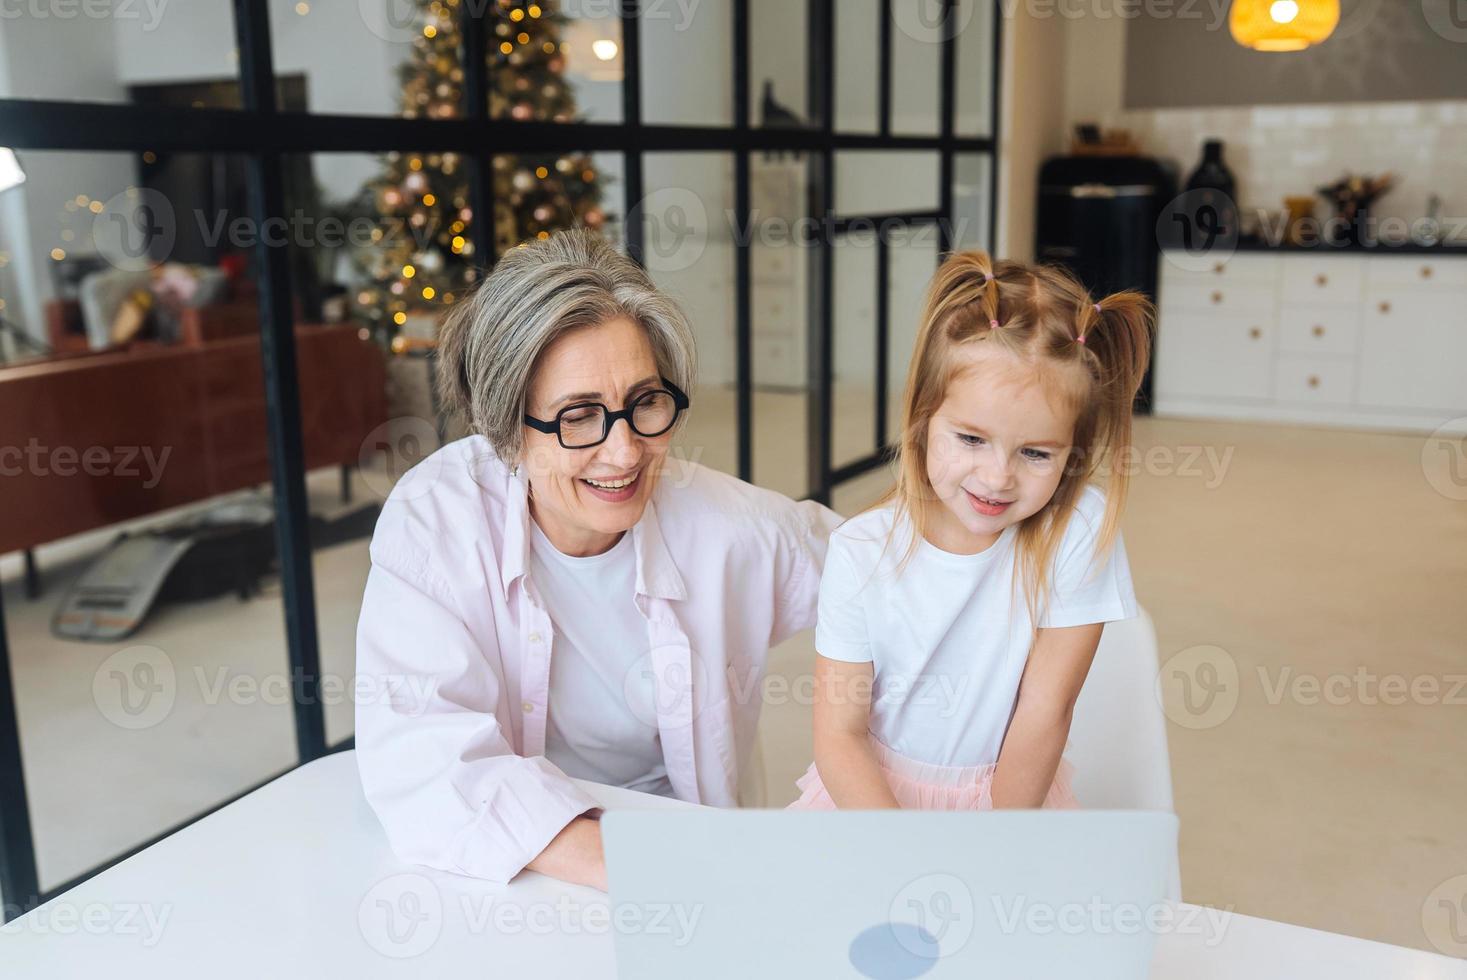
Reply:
x=587 y=424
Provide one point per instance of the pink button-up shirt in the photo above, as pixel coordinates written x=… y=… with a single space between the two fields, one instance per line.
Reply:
x=454 y=642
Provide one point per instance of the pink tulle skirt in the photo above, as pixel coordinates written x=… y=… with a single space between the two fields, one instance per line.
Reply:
x=924 y=786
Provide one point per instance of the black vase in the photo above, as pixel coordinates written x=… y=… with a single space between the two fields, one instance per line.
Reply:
x=1215 y=191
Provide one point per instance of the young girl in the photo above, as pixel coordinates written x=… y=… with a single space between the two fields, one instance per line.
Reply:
x=958 y=618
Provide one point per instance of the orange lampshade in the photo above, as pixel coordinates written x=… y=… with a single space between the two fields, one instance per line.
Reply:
x=1282 y=25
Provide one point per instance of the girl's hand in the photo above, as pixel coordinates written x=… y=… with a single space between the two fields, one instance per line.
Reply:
x=843 y=755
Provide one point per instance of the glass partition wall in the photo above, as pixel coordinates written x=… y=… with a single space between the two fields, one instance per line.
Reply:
x=236 y=227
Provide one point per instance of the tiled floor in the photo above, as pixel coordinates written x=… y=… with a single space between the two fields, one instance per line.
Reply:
x=1298 y=553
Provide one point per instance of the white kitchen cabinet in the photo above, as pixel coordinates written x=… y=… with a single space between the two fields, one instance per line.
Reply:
x=1319 y=329
x=1321 y=278
x=1313 y=379
x=1418 y=272
x=1413 y=351
x=1215 y=356
x=1333 y=338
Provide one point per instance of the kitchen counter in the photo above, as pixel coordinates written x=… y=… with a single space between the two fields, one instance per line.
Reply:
x=1253 y=244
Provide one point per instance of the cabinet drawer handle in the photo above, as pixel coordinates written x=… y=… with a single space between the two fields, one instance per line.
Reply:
x=1217 y=296
x=1314 y=381
x=1255 y=333
x=1321 y=280
x=1385 y=306
x=1318 y=330
x=1426 y=272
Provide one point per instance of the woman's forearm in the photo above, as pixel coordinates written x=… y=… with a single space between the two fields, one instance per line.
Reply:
x=575 y=855
x=850 y=772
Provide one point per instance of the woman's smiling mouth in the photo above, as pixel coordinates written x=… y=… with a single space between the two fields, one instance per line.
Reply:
x=614 y=490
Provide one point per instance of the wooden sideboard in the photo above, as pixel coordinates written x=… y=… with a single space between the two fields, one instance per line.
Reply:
x=1330 y=337
x=77 y=432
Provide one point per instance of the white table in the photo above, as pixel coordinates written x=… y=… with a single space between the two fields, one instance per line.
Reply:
x=296 y=879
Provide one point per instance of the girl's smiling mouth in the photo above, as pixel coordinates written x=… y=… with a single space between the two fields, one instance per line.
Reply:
x=987 y=506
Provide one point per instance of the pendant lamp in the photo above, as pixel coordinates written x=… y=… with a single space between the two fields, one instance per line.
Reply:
x=1282 y=25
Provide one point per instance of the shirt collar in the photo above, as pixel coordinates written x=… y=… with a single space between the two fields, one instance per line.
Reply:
x=657 y=574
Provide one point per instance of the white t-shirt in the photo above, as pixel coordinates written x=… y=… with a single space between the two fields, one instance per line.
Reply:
x=949 y=634
x=601 y=715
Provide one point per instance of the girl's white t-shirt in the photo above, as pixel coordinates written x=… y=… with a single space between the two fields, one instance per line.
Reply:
x=601 y=717
x=948 y=635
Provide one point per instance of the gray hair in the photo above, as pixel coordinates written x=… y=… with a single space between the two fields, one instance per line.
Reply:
x=489 y=342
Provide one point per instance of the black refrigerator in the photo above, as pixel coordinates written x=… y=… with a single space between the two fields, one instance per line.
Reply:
x=1097 y=216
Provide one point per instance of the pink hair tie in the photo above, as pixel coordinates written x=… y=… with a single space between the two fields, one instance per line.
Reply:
x=1098 y=309
x=993 y=324
x=1080 y=339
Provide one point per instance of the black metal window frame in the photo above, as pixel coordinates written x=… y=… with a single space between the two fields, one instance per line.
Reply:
x=262 y=134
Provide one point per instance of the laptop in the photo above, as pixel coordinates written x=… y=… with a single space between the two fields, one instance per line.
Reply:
x=887 y=894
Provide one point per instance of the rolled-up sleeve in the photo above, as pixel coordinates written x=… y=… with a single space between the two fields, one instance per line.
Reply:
x=436 y=765
x=801 y=562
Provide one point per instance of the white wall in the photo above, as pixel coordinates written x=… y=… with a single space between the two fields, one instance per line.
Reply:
x=190 y=42
x=1095 y=68
x=1032 y=116
x=33 y=214
x=675 y=49
x=778 y=36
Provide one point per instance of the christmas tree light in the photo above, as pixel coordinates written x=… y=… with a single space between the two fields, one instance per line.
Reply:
x=424 y=258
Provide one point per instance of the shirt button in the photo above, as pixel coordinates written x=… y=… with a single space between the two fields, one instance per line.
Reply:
x=528 y=707
x=534 y=637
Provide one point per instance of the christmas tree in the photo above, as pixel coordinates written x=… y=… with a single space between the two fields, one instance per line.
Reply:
x=422 y=257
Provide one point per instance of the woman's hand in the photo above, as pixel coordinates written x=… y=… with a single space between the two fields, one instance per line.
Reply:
x=843 y=755
x=575 y=855
x=1035 y=740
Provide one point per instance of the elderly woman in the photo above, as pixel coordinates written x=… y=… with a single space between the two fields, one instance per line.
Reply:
x=552 y=596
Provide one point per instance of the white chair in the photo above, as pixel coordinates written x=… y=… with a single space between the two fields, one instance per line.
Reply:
x=1118 y=735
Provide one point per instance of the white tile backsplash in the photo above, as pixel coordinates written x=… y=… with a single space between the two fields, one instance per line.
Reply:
x=1280 y=151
